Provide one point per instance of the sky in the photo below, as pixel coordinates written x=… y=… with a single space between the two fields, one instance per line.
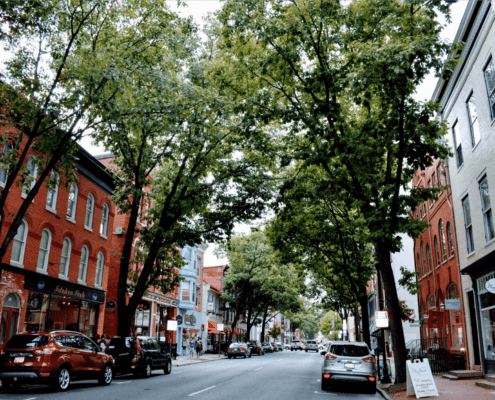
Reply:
x=199 y=8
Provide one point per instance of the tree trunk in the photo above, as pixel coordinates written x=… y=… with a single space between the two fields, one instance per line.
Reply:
x=263 y=325
x=357 y=323
x=363 y=301
x=394 y=315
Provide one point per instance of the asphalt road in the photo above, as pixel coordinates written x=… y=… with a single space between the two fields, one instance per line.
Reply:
x=284 y=375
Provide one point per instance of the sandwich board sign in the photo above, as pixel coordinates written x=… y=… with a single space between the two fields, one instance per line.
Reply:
x=420 y=380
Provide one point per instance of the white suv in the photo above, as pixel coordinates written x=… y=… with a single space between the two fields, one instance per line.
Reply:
x=311 y=345
x=295 y=345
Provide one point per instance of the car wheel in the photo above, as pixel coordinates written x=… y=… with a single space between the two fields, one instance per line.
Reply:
x=306 y=351
x=168 y=368
x=245 y=356
x=107 y=376
x=147 y=370
x=372 y=388
x=62 y=381
x=325 y=385
x=10 y=386
x=249 y=355
x=230 y=357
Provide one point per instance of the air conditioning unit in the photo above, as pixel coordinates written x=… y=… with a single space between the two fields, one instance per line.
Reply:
x=119 y=230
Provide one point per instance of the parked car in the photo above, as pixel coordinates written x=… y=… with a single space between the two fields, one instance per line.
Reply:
x=56 y=358
x=311 y=345
x=348 y=362
x=287 y=346
x=279 y=345
x=322 y=348
x=295 y=345
x=139 y=356
x=267 y=347
x=239 y=350
x=256 y=347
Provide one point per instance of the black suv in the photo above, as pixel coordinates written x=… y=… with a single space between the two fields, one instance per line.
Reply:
x=139 y=355
x=256 y=347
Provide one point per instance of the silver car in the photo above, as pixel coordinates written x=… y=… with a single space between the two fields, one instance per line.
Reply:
x=239 y=350
x=311 y=345
x=349 y=362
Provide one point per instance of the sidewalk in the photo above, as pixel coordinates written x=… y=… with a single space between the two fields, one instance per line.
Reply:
x=186 y=360
x=462 y=389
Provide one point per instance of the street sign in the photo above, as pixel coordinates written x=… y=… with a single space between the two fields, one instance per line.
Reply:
x=381 y=319
x=452 y=304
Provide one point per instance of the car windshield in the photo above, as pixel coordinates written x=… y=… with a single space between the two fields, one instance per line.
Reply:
x=349 y=350
x=27 y=341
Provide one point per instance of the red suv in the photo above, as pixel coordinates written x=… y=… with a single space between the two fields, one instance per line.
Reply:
x=53 y=357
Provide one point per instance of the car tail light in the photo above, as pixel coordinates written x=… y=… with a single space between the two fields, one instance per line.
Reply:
x=229 y=349
x=372 y=378
x=44 y=373
x=242 y=349
x=257 y=346
x=369 y=359
x=327 y=376
x=330 y=357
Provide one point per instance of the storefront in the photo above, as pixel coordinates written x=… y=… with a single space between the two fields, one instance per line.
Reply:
x=152 y=315
x=45 y=304
x=482 y=273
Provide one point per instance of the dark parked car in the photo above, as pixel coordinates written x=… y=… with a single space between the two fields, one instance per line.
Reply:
x=256 y=347
x=239 y=350
x=139 y=355
x=56 y=357
x=350 y=363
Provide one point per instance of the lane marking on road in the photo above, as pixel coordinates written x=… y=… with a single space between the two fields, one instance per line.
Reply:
x=201 y=391
x=257 y=369
x=117 y=383
x=32 y=398
x=326 y=394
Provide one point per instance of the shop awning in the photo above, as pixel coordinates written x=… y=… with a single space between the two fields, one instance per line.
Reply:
x=212 y=328
x=193 y=330
x=236 y=333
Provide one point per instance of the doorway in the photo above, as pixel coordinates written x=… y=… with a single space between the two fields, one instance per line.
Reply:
x=10 y=318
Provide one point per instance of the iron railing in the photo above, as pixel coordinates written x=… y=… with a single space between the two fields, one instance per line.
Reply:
x=420 y=347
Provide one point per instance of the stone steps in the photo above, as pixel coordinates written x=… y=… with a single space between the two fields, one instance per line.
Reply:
x=469 y=374
x=486 y=385
x=451 y=377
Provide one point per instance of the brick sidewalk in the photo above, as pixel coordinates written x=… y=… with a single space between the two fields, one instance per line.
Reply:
x=186 y=360
x=463 y=389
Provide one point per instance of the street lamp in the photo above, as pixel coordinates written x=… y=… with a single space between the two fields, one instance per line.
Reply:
x=227 y=307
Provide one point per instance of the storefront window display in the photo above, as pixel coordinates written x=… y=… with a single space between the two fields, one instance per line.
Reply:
x=487 y=306
x=142 y=321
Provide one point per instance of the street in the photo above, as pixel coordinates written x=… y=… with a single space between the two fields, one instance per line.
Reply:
x=283 y=375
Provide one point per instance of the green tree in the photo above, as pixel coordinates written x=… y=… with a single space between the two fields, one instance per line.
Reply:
x=338 y=79
x=63 y=57
x=275 y=331
x=331 y=324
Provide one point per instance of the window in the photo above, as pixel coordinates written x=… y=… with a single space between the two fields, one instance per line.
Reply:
x=83 y=264
x=437 y=253
x=423 y=259
x=451 y=239
x=44 y=252
x=104 y=220
x=439 y=174
x=4 y=166
x=197 y=297
x=442 y=240
x=51 y=198
x=99 y=269
x=473 y=121
x=31 y=178
x=434 y=179
x=72 y=204
x=489 y=73
x=468 y=225
x=418 y=264
x=65 y=258
x=428 y=255
x=90 y=207
x=198 y=266
x=19 y=244
x=486 y=209
x=457 y=145
x=186 y=290
x=430 y=185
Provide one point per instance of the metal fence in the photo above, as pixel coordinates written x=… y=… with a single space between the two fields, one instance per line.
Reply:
x=439 y=357
x=421 y=347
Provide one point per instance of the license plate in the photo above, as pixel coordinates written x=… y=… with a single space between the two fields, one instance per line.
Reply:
x=19 y=359
x=350 y=366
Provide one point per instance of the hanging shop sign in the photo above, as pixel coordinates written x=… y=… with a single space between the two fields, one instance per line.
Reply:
x=381 y=319
x=452 y=304
x=490 y=285
x=179 y=319
x=171 y=325
x=110 y=305
x=190 y=319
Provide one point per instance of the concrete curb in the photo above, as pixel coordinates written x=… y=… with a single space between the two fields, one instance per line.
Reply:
x=198 y=362
x=383 y=393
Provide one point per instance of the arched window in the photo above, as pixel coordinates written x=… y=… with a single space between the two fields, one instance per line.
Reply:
x=430 y=300
x=4 y=164
x=423 y=258
x=428 y=256
x=435 y=241
x=83 y=264
x=90 y=208
x=442 y=240
x=104 y=220
x=99 y=269
x=19 y=244
x=44 y=253
x=418 y=265
x=451 y=239
x=452 y=292
x=65 y=258
x=72 y=204
x=51 y=198
x=32 y=174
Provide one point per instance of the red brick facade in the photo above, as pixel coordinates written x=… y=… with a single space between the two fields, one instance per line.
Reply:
x=436 y=260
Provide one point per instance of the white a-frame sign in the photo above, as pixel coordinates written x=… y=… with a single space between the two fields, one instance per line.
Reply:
x=420 y=379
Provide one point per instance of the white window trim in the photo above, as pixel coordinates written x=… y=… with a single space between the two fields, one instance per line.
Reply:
x=98 y=284
x=20 y=263
x=83 y=281
x=66 y=276
x=55 y=195
x=92 y=211
x=47 y=255
x=33 y=182
x=72 y=218
x=105 y=205
x=5 y=148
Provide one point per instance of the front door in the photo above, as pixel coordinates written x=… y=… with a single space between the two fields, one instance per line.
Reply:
x=10 y=318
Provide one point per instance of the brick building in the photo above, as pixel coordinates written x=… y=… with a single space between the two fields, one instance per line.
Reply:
x=55 y=271
x=435 y=253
